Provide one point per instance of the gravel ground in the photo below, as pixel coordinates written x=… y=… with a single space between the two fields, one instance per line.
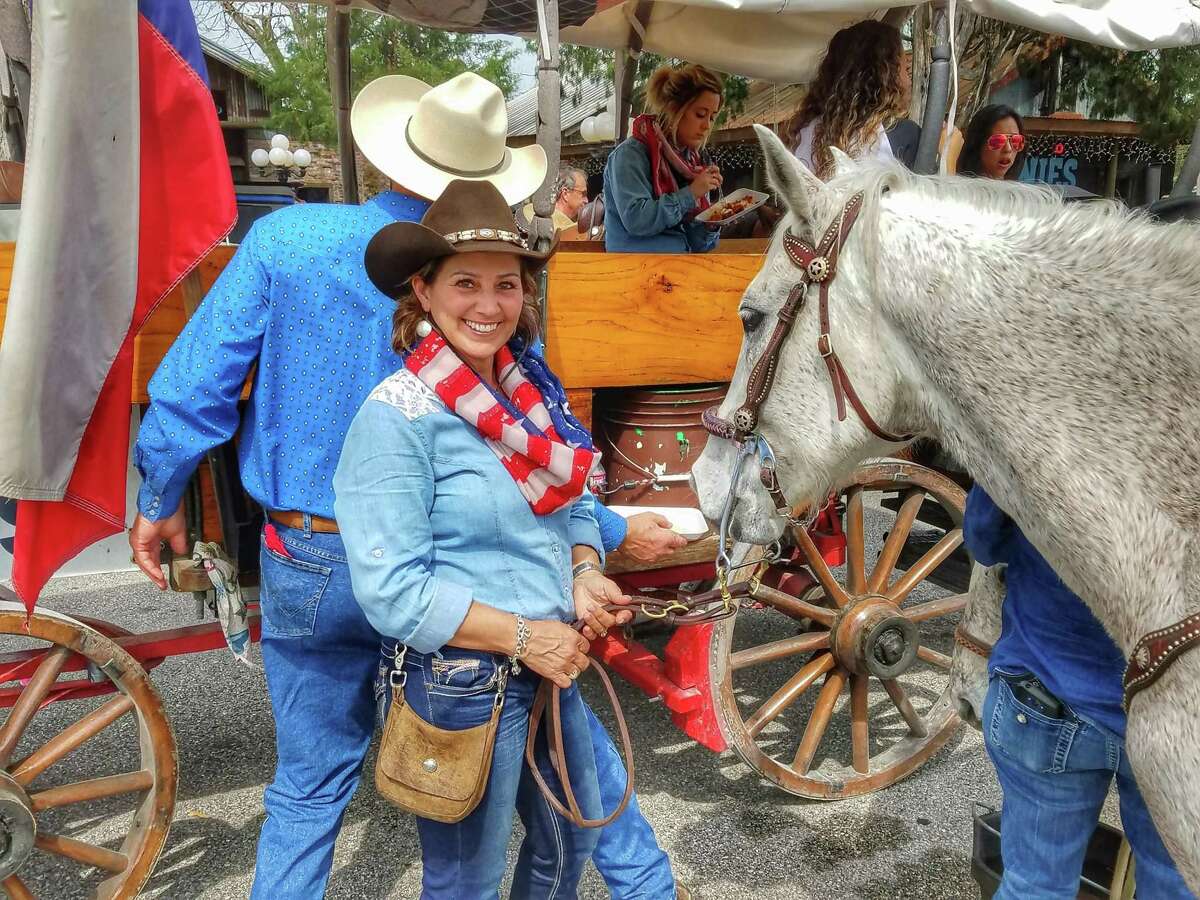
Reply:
x=729 y=833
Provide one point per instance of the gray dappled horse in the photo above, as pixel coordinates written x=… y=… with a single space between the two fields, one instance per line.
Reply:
x=1053 y=349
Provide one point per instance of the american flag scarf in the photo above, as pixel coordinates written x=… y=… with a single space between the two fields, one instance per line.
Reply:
x=518 y=424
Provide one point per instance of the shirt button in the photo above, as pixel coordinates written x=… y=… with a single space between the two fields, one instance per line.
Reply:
x=1022 y=718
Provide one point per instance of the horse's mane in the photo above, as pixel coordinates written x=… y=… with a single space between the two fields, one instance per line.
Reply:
x=1111 y=232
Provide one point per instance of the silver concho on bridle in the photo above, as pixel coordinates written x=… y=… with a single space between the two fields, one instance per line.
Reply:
x=744 y=420
x=817 y=269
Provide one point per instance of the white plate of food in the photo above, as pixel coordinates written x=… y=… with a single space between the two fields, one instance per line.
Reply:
x=685 y=520
x=732 y=207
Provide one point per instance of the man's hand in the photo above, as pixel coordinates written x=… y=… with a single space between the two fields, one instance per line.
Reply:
x=146 y=537
x=592 y=592
x=649 y=537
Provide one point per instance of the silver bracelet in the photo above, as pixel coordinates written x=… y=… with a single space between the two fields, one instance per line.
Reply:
x=586 y=566
x=524 y=633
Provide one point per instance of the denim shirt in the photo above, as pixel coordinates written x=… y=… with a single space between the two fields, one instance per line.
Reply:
x=432 y=520
x=1046 y=629
x=635 y=221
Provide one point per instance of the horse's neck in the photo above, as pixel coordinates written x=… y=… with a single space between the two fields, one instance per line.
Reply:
x=1018 y=371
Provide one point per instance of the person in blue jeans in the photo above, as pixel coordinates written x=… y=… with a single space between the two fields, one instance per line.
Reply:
x=295 y=309
x=472 y=540
x=1054 y=727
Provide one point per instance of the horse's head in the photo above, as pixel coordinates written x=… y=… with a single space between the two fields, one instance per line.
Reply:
x=980 y=624
x=798 y=418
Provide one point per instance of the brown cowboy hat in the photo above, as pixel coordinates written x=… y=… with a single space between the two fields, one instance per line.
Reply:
x=469 y=217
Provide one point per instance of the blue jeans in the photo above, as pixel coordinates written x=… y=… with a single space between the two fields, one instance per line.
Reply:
x=320 y=655
x=1055 y=774
x=456 y=689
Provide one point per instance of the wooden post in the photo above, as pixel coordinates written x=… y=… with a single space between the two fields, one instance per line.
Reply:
x=549 y=128
x=626 y=68
x=337 y=52
x=1187 y=177
x=1110 y=177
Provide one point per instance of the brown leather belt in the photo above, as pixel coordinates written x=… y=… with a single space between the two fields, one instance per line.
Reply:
x=292 y=519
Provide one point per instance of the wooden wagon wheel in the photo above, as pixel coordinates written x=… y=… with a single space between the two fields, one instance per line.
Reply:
x=864 y=636
x=28 y=793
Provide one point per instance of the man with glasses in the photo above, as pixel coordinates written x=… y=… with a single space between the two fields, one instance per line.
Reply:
x=570 y=194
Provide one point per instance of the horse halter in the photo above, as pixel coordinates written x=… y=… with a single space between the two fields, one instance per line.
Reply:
x=817 y=265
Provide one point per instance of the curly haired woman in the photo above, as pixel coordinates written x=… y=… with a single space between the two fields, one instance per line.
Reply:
x=657 y=181
x=861 y=88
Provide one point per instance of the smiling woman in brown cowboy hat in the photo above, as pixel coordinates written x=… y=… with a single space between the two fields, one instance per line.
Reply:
x=472 y=543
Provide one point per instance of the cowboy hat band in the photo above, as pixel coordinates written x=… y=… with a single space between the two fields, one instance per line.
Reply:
x=469 y=217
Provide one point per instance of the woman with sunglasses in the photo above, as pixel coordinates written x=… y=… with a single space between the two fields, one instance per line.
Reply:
x=994 y=145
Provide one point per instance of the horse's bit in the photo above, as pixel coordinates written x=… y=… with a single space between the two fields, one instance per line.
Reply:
x=817 y=265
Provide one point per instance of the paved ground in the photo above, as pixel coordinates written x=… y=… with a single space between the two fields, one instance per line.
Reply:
x=729 y=833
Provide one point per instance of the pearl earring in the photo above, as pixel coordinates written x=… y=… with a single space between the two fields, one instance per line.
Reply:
x=424 y=328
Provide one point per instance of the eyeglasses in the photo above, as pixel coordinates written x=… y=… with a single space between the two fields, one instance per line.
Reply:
x=998 y=142
x=581 y=191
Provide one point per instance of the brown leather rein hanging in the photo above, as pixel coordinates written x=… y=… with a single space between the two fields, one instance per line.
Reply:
x=679 y=609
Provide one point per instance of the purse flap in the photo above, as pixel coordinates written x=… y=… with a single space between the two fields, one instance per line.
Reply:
x=433 y=760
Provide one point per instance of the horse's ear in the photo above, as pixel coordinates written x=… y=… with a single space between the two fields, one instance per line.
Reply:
x=790 y=178
x=842 y=163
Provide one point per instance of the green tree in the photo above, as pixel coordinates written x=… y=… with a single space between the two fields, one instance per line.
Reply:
x=1158 y=89
x=292 y=39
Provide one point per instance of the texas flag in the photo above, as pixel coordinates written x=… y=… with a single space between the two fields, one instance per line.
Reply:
x=127 y=188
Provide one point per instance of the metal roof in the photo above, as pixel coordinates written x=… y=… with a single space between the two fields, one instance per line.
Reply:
x=578 y=103
x=229 y=58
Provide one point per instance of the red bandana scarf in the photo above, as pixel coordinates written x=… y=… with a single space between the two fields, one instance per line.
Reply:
x=666 y=162
x=549 y=472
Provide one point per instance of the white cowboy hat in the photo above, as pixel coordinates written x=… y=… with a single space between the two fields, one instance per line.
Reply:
x=423 y=138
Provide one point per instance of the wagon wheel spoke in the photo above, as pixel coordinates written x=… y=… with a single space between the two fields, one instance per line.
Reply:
x=890 y=553
x=819 y=721
x=804 y=643
x=900 y=698
x=788 y=694
x=856 y=543
x=860 y=733
x=820 y=568
x=935 y=608
x=933 y=657
x=31 y=698
x=924 y=567
x=93 y=789
x=82 y=852
x=70 y=739
x=794 y=607
x=16 y=888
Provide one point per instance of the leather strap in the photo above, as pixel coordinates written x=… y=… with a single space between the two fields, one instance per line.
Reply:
x=676 y=608
x=968 y=641
x=292 y=519
x=1156 y=651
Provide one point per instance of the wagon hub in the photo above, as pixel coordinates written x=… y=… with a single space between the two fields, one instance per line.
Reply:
x=18 y=827
x=872 y=637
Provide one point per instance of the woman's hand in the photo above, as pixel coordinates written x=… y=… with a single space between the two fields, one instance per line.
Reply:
x=708 y=180
x=592 y=592
x=556 y=651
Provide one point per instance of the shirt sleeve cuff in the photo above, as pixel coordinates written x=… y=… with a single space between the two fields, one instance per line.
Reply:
x=154 y=506
x=443 y=617
x=586 y=533
x=613 y=527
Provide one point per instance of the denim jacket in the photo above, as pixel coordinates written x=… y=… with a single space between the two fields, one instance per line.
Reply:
x=432 y=520
x=635 y=221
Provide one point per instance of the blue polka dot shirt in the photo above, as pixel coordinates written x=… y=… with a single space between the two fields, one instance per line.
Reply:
x=295 y=307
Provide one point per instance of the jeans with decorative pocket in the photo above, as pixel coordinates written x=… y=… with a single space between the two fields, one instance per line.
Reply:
x=1055 y=774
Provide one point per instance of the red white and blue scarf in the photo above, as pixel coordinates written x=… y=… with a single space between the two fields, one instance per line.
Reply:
x=544 y=448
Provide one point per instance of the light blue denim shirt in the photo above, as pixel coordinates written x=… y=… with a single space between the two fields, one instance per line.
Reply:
x=432 y=520
x=635 y=221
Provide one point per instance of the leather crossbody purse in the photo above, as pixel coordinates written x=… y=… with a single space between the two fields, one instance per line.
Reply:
x=432 y=772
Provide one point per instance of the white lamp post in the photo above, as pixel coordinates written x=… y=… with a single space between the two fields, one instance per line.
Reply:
x=282 y=157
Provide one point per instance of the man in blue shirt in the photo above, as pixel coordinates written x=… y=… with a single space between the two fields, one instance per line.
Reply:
x=1053 y=725
x=295 y=311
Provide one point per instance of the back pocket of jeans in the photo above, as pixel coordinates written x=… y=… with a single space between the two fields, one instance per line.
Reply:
x=1029 y=738
x=291 y=590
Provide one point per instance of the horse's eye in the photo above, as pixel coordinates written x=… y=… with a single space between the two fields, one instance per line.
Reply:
x=751 y=319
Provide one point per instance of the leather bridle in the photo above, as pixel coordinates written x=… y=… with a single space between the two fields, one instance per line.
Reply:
x=817 y=265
